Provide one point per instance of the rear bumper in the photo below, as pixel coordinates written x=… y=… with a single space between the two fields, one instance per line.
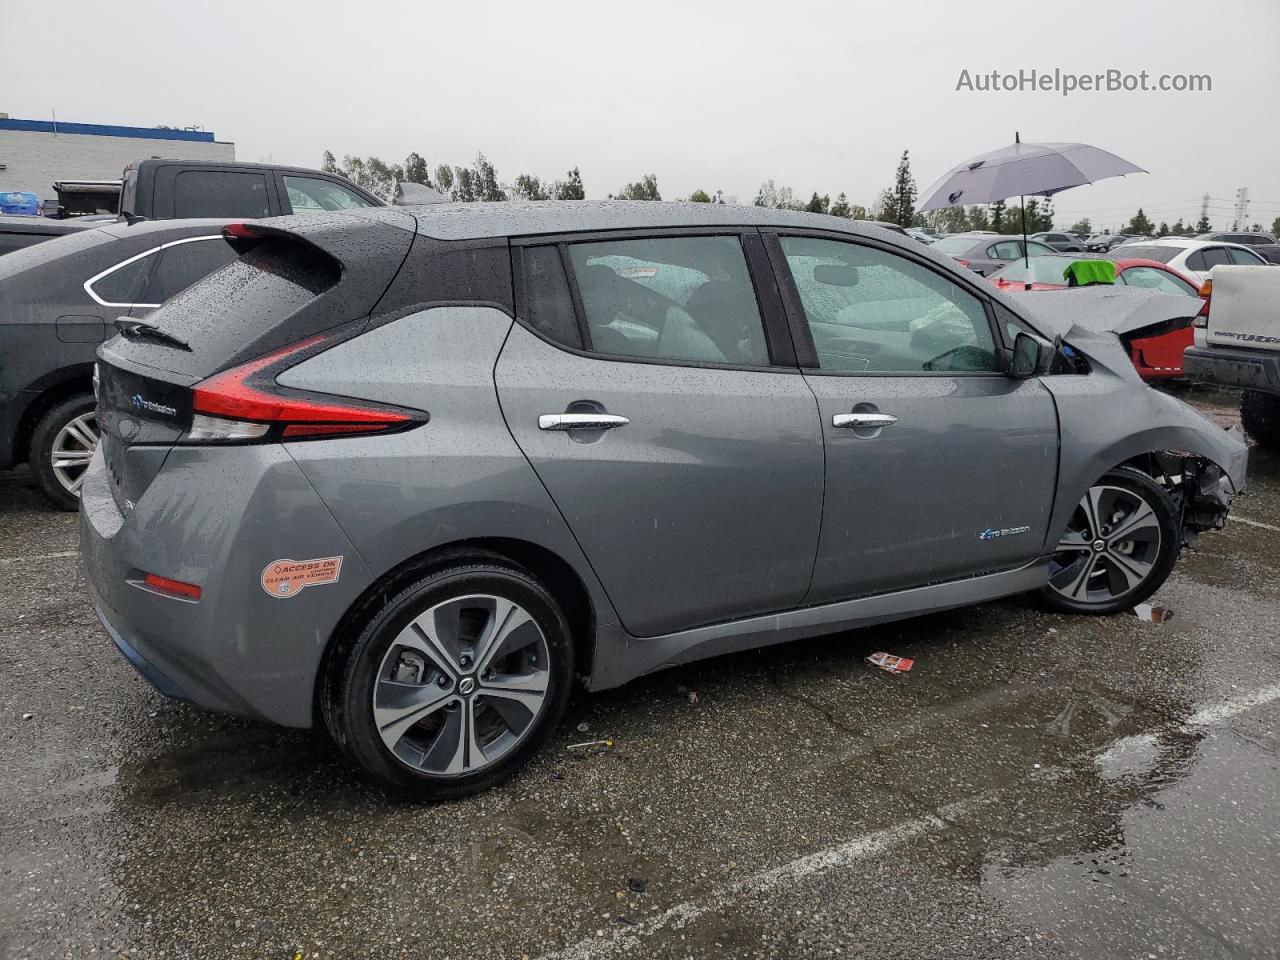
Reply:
x=217 y=519
x=1234 y=367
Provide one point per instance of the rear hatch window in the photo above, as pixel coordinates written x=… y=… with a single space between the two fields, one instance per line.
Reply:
x=232 y=308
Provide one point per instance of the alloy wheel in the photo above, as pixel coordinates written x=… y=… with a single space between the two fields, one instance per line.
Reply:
x=73 y=448
x=1109 y=549
x=461 y=685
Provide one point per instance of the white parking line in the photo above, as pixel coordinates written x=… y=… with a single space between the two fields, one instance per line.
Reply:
x=1255 y=523
x=41 y=556
x=625 y=939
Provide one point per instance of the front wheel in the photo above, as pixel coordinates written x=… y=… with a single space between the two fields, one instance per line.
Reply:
x=62 y=445
x=1119 y=546
x=454 y=682
x=1260 y=415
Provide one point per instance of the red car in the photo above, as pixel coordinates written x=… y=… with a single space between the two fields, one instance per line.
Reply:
x=1155 y=357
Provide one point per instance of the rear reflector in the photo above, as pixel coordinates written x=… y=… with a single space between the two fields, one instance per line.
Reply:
x=176 y=587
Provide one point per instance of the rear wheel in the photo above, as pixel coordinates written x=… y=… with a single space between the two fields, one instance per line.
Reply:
x=1119 y=546
x=1260 y=414
x=62 y=445
x=454 y=683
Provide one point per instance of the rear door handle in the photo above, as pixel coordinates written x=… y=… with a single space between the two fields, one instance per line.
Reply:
x=580 y=421
x=863 y=420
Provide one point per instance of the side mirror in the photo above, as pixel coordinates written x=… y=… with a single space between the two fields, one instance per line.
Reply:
x=1031 y=357
x=836 y=275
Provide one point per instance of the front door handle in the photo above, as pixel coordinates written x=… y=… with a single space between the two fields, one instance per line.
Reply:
x=863 y=421
x=580 y=421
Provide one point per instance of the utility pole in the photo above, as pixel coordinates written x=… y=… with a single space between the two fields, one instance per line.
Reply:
x=1242 y=209
x=1204 y=209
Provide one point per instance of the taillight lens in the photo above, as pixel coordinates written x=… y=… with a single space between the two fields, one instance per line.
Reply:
x=963 y=263
x=245 y=404
x=1206 y=293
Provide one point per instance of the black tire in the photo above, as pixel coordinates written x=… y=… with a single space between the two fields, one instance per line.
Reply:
x=40 y=453
x=1260 y=414
x=347 y=699
x=1157 y=559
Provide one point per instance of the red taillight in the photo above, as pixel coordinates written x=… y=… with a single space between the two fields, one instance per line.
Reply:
x=239 y=404
x=175 y=587
x=1206 y=294
x=239 y=231
x=963 y=263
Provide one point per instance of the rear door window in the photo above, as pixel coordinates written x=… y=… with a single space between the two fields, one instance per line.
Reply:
x=1004 y=250
x=670 y=298
x=1214 y=256
x=220 y=193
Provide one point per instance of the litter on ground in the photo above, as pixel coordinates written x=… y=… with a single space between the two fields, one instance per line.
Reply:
x=891 y=664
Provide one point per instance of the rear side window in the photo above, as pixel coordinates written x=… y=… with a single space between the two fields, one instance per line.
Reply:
x=217 y=193
x=670 y=298
x=125 y=285
x=548 y=306
x=1004 y=250
x=238 y=304
x=1212 y=258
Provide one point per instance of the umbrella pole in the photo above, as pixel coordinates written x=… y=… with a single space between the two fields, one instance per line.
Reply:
x=1026 y=258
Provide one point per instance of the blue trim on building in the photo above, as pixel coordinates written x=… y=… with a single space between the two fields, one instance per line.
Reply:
x=106 y=130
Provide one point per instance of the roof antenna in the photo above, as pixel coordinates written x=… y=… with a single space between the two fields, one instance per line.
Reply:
x=1017 y=137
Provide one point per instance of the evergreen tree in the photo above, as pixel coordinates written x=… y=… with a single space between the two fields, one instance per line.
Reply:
x=952 y=220
x=841 y=207
x=1177 y=229
x=571 y=188
x=998 y=219
x=1140 y=225
x=904 y=193
x=700 y=196
x=979 y=219
x=1162 y=230
x=1203 y=225
x=328 y=163
x=818 y=204
x=886 y=207
x=464 y=185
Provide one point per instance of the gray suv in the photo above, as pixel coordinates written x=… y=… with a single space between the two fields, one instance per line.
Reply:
x=409 y=473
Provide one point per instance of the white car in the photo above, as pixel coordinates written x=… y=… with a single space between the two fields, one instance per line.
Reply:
x=1195 y=258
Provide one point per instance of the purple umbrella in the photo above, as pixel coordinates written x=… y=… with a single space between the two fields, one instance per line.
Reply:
x=1024 y=170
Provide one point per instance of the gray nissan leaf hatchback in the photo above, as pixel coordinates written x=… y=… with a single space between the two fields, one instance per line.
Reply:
x=412 y=473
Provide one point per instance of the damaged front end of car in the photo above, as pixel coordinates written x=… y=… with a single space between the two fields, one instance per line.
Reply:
x=1201 y=489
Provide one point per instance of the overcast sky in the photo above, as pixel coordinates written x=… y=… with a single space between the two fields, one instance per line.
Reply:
x=817 y=96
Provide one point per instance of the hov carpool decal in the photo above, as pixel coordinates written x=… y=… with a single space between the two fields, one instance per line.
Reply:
x=286 y=578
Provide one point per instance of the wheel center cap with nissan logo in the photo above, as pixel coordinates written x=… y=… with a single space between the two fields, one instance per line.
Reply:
x=466 y=686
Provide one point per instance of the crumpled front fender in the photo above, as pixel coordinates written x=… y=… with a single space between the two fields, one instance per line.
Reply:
x=1109 y=417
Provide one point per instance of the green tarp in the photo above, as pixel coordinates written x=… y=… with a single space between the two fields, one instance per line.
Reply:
x=1084 y=272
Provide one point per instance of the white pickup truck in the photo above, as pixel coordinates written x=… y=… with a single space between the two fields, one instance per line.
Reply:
x=1237 y=344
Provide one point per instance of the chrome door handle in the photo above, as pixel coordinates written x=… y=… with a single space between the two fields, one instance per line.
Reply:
x=580 y=421
x=863 y=420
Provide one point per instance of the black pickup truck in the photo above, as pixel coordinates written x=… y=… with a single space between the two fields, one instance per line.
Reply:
x=184 y=189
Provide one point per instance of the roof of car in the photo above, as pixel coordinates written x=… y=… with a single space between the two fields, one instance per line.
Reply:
x=470 y=221
x=1183 y=243
x=47 y=225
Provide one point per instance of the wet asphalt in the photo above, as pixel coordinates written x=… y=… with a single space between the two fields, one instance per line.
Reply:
x=1037 y=786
